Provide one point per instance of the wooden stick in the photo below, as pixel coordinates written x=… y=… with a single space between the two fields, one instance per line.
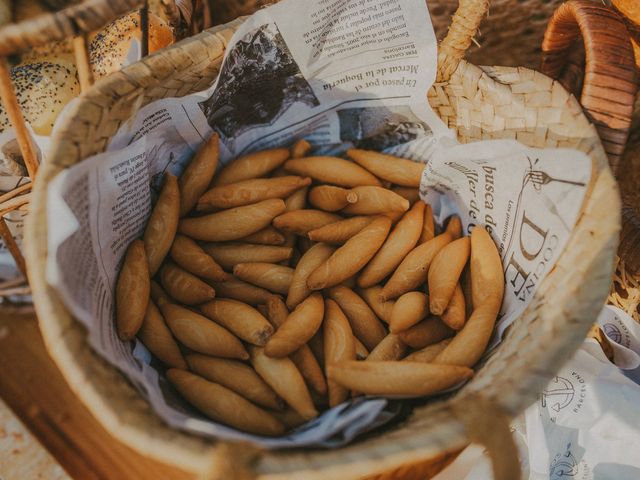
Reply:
x=25 y=290
x=14 y=204
x=10 y=102
x=83 y=64
x=12 y=246
x=13 y=282
x=144 y=29
x=15 y=192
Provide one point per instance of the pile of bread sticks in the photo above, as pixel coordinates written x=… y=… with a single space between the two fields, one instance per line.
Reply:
x=289 y=283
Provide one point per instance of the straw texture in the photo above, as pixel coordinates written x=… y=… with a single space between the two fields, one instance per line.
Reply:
x=479 y=103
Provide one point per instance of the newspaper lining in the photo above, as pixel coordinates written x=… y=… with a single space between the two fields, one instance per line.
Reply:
x=584 y=423
x=345 y=73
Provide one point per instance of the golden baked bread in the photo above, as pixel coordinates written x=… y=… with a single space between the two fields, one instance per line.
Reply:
x=109 y=48
x=51 y=51
x=46 y=78
x=43 y=89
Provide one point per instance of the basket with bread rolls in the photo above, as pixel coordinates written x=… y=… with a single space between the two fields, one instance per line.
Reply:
x=52 y=60
x=238 y=289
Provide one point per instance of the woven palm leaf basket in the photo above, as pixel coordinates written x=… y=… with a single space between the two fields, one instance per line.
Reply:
x=493 y=102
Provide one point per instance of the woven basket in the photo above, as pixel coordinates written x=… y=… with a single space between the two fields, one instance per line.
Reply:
x=604 y=76
x=493 y=102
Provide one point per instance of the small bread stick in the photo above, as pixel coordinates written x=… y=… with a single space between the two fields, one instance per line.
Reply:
x=332 y=170
x=399 y=171
x=444 y=273
x=232 y=224
x=198 y=175
x=163 y=223
x=132 y=291
x=183 y=286
x=253 y=165
x=224 y=405
x=243 y=320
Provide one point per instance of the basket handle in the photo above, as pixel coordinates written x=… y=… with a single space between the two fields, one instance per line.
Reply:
x=610 y=78
x=487 y=424
x=464 y=24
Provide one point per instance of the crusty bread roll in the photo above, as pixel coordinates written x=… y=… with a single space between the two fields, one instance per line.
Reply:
x=109 y=48
x=53 y=51
x=43 y=89
x=46 y=79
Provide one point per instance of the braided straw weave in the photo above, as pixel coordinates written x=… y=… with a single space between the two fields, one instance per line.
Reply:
x=479 y=103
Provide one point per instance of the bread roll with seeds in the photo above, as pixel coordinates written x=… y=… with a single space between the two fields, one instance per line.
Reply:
x=109 y=48
x=42 y=89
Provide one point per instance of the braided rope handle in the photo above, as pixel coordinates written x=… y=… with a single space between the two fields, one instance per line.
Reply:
x=610 y=79
x=488 y=425
x=464 y=25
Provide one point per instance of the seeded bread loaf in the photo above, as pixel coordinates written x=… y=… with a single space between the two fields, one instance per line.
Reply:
x=43 y=89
